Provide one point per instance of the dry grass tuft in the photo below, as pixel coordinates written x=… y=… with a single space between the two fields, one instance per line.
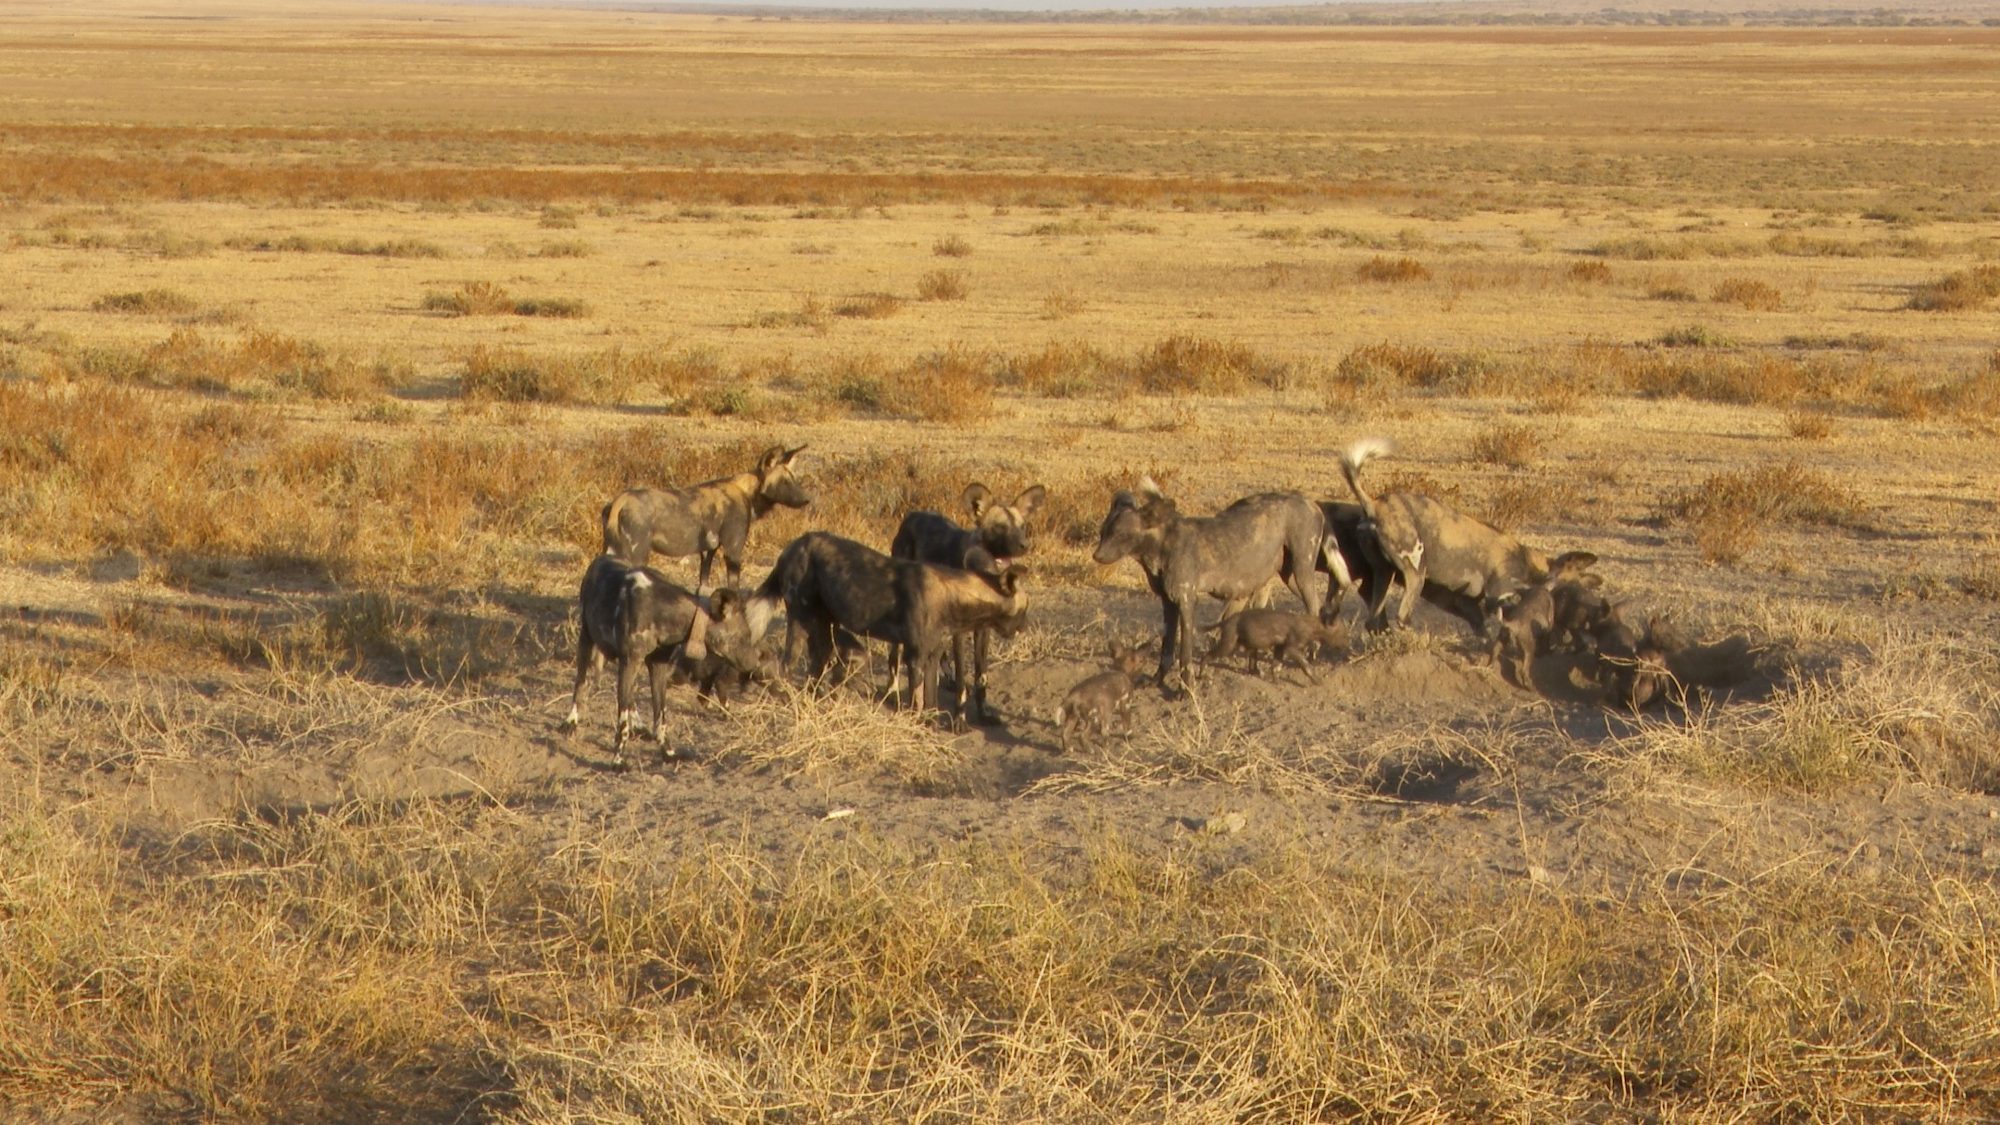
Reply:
x=1188 y=364
x=1757 y=296
x=471 y=298
x=869 y=306
x=952 y=246
x=1392 y=270
x=1957 y=292
x=146 y=302
x=953 y=384
x=943 y=285
x=1513 y=444
x=1061 y=304
x=1809 y=425
x=1589 y=273
x=484 y=298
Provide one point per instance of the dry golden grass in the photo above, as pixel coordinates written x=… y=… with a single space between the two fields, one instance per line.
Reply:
x=307 y=528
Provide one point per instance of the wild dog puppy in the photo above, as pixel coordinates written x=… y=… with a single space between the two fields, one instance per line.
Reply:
x=1523 y=624
x=704 y=518
x=1285 y=637
x=1444 y=556
x=828 y=584
x=1001 y=530
x=638 y=617
x=1632 y=662
x=1103 y=697
x=1229 y=555
x=1580 y=607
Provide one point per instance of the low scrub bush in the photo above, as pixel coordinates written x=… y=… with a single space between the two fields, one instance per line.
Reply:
x=1589 y=273
x=354 y=247
x=951 y=246
x=1062 y=370
x=1693 y=336
x=1957 y=292
x=1757 y=296
x=1189 y=364
x=472 y=298
x=566 y=248
x=484 y=298
x=256 y=360
x=869 y=306
x=1511 y=444
x=1392 y=270
x=146 y=302
x=1730 y=512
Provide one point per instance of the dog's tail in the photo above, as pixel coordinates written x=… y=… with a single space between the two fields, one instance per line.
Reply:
x=615 y=540
x=1351 y=460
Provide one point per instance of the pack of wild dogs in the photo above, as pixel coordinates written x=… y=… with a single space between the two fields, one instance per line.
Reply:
x=943 y=587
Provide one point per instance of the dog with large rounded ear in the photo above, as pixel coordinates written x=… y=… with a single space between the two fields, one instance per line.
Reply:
x=978 y=500
x=776 y=483
x=775 y=456
x=1030 y=499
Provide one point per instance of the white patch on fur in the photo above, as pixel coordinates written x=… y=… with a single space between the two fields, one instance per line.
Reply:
x=1337 y=563
x=1149 y=487
x=638 y=580
x=757 y=613
x=571 y=719
x=697 y=642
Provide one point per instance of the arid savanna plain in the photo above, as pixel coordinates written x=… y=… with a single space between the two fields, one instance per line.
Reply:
x=327 y=332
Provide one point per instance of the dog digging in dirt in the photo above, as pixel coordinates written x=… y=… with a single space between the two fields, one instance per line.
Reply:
x=1103 y=697
x=638 y=617
x=828 y=584
x=1230 y=555
x=1000 y=530
x=1284 y=636
x=705 y=518
x=1632 y=662
x=1444 y=556
x=1524 y=624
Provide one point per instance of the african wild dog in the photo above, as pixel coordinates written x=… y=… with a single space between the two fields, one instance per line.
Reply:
x=704 y=518
x=637 y=616
x=1230 y=555
x=828 y=584
x=1286 y=637
x=1444 y=556
x=1526 y=623
x=1001 y=530
x=1103 y=697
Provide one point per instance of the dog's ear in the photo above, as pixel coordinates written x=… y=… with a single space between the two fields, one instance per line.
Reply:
x=1122 y=499
x=772 y=458
x=793 y=452
x=1572 y=561
x=1150 y=489
x=1591 y=581
x=978 y=498
x=1030 y=499
x=724 y=602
